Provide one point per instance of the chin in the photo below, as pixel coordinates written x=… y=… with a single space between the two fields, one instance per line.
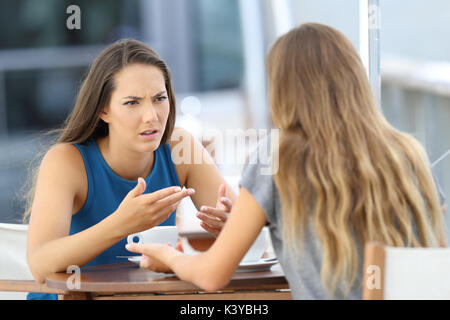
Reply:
x=149 y=146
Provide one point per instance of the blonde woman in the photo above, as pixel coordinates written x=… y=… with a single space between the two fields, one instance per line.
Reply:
x=345 y=177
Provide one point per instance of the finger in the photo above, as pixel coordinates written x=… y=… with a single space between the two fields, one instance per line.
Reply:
x=211 y=221
x=145 y=262
x=164 y=213
x=135 y=247
x=174 y=198
x=179 y=246
x=214 y=212
x=138 y=189
x=226 y=203
x=160 y=194
x=212 y=231
x=222 y=192
x=149 y=263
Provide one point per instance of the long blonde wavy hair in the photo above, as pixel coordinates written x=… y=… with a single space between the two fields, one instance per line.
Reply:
x=341 y=163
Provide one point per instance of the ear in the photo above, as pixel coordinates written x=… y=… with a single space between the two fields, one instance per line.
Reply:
x=104 y=115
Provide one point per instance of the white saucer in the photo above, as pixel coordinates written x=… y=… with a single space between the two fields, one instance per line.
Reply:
x=135 y=259
x=253 y=266
x=257 y=266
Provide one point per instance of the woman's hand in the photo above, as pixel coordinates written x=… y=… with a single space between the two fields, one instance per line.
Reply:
x=138 y=212
x=213 y=219
x=153 y=255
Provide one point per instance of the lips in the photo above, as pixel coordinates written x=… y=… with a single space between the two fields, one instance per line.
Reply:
x=149 y=132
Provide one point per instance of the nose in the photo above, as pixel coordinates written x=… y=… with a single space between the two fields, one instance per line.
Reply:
x=150 y=114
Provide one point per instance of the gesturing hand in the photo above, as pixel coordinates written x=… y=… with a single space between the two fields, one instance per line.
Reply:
x=213 y=219
x=138 y=212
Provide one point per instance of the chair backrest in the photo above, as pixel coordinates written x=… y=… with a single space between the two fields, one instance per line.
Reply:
x=13 y=261
x=406 y=273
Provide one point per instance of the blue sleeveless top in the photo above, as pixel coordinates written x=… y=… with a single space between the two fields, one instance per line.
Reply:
x=106 y=190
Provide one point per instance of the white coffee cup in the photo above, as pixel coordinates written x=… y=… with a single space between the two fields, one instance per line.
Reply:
x=161 y=235
x=258 y=247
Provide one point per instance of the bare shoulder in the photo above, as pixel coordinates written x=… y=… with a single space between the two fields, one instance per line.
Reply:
x=65 y=155
x=56 y=192
x=64 y=163
x=189 y=155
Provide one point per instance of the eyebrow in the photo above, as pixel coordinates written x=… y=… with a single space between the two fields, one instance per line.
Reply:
x=140 y=98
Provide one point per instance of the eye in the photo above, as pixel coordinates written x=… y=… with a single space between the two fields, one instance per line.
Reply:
x=130 y=103
x=160 y=99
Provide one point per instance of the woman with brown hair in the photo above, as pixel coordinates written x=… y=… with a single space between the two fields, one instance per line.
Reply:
x=85 y=200
x=345 y=177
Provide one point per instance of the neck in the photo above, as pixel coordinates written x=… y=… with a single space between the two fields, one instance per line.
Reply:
x=126 y=163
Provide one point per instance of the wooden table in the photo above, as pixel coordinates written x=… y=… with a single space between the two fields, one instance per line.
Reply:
x=128 y=281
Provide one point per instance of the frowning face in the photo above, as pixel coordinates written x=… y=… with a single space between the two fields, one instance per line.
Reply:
x=139 y=108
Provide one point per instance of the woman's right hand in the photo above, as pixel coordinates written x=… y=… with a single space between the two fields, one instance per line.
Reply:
x=138 y=212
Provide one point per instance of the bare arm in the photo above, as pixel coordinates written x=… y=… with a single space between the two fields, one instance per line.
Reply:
x=50 y=248
x=212 y=270
x=203 y=175
x=199 y=167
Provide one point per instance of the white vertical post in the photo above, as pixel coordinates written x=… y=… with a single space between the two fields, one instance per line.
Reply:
x=364 y=33
x=369 y=43
x=282 y=16
x=374 y=48
x=254 y=57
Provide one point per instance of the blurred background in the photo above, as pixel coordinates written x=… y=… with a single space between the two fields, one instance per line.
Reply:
x=216 y=51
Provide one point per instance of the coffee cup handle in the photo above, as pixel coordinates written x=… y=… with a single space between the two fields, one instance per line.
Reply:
x=132 y=236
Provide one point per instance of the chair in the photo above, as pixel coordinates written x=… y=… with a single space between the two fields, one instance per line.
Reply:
x=392 y=273
x=15 y=277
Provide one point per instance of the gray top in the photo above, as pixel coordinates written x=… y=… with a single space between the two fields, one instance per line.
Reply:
x=302 y=269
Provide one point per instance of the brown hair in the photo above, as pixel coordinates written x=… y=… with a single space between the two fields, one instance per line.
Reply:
x=84 y=121
x=342 y=166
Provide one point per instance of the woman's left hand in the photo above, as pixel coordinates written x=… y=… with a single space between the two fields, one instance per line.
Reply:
x=213 y=219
